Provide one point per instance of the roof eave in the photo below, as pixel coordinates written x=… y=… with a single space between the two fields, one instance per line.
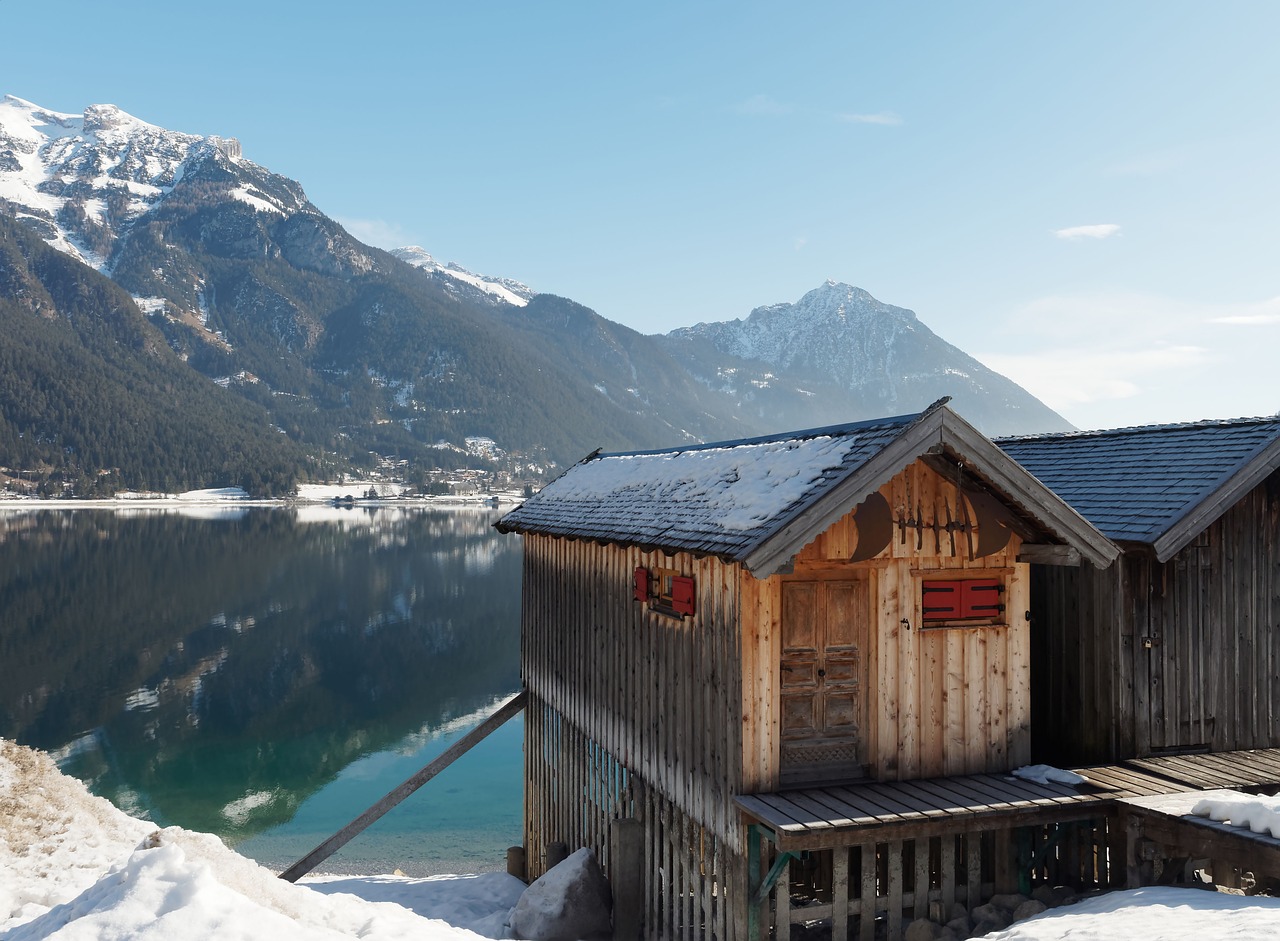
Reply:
x=776 y=550
x=1034 y=498
x=1206 y=512
x=943 y=427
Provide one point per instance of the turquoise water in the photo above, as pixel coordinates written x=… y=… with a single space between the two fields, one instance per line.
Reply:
x=267 y=674
x=460 y=821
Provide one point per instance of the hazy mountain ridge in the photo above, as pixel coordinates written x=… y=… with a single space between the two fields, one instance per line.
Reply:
x=839 y=353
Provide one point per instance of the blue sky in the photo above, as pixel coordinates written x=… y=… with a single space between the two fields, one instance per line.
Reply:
x=1084 y=195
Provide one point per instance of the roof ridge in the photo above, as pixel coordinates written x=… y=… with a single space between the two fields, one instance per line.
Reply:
x=1141 y=429
x=827 y=431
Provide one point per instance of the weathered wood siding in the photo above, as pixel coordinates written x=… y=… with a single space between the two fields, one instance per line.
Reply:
x=1147 y=656
x=950 y=700
x=659 y=694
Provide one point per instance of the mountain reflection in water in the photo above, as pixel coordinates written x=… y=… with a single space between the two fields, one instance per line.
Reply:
x=265 y=674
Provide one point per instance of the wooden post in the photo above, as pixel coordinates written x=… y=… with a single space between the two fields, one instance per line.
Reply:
x=515 y=863
x=357 y=826
x=557 y=852
x=626 y=877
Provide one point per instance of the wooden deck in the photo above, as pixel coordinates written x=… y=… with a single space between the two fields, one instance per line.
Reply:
x=827 y=817
x=1163 y=828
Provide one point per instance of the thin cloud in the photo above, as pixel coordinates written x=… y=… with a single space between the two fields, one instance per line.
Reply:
x=1075 y=232
x=1264 y=314
x=1066 y=377
x=887 y=118
x=1110 y=359
x=763 y=105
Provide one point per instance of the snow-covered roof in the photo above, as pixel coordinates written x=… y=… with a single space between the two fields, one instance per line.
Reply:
x=758 y=501
x=1160 y=485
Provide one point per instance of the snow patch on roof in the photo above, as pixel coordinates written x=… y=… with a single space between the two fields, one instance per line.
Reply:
x=743 y=485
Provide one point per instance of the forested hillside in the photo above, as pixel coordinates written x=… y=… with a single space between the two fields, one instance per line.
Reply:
x=92 y=396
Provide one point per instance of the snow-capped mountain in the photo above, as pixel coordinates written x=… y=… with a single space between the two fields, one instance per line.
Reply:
x=83 y=179
x=457 y=279
x=341 y=351
x=344 y=349
x=838 y=353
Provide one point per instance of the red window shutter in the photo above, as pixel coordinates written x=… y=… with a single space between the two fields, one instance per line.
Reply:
x=641 y=592
x=980 y=598
x=682 y=594
x=940 y=600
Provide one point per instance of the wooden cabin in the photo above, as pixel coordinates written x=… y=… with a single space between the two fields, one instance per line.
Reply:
x=1174 y=649
x=708 y=627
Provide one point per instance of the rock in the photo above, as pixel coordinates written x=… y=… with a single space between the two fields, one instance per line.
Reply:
x=960 y=927
x=987 y=918
x=987 y=926
x=1029 y=909
x=1065 y=895
x=1045 y=894
x=571 y=902
x=1008 y=902
x=989 y=912
x=922 y=929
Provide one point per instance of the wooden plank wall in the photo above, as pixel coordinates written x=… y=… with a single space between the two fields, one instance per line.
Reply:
x=635 y=713
x=1147 y=656
x=574 y=788
x=943 y=700
x=1213 y=617
x=659 y=694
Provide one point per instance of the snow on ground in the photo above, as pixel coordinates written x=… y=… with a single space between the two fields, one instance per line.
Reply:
x=74 y=868
x=1154 y=914
x=355 y=489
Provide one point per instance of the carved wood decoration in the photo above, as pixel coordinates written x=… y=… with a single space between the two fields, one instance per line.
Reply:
x=874 y=521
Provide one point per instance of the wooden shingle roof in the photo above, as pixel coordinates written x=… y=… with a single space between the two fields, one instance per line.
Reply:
x=1159 y=485
x=758 y=501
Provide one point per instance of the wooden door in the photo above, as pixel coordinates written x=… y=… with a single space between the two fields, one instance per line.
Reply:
x=823 y=680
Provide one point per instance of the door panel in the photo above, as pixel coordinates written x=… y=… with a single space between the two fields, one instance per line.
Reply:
x=824 y=626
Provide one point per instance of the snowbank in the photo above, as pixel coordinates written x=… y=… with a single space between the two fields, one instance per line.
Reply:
x=1154 y=914
x=1259 y=814
x=72 y=866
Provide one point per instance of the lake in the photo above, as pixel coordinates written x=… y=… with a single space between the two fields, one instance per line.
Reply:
x=266 y=674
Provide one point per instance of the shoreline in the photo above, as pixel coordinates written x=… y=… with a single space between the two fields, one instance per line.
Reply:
x=176 y=501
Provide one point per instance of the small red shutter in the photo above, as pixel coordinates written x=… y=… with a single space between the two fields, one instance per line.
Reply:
x=682 y=594
x=980 y=598
x=641 y=592
x=940 y=600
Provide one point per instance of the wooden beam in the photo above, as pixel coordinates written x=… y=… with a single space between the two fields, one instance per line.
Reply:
x=1040 y=554
x=394 y=797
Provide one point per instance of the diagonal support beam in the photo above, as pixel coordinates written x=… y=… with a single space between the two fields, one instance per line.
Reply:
x=394 y=797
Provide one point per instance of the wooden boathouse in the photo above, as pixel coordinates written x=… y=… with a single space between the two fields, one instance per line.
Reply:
x=1175 y=648
x=798 y=666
